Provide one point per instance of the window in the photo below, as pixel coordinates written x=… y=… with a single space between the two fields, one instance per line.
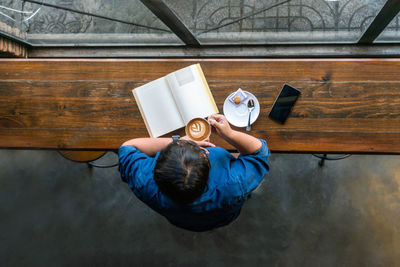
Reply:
x=392 y=32
x=176 y=23
x=278 y=21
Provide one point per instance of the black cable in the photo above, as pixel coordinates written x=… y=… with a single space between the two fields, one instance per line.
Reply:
x=93 y=164
x=94 y=15
x=325 y=157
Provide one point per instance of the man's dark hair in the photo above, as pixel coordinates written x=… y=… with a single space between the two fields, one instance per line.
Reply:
x=181 y=171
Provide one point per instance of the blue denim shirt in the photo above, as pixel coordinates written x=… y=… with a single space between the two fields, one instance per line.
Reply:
x=230 y=182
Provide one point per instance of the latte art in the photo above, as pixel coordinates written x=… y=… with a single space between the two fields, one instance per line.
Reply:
x=198 y=129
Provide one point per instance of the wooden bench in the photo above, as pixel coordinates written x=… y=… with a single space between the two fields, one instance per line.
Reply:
x=346 y=106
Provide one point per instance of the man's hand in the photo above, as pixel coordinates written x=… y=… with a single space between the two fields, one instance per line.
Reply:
x=205 y=143
x=221 y=125
x=244 y=143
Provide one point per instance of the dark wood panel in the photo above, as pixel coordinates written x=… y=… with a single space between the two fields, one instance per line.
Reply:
x=121 y=89
x=103 y=104
x=278 y=141
x=348 y=106
x=284 y=70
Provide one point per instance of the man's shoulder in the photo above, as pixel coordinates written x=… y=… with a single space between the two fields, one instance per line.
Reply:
x=134 y=165
x=217 y=149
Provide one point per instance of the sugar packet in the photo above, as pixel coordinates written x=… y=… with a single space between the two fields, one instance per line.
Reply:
x=239 y=93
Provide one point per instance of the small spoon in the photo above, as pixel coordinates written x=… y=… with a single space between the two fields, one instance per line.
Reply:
x=250 y=106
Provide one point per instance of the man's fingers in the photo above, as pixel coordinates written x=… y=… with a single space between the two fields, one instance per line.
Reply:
x=212 y=116
x=205 y=143
x=185 y=138
x=216 y=124
x=213 y=122
x=216 y=117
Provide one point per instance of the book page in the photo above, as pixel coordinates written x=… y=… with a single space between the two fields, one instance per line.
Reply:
x=158 y=107
x=191 y=93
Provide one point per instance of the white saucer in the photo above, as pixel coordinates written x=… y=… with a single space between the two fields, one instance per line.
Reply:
x=238 y=115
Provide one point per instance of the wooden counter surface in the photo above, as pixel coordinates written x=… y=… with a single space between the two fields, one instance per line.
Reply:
x=346 y=106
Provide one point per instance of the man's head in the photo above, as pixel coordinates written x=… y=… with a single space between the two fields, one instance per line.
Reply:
x=181 y=171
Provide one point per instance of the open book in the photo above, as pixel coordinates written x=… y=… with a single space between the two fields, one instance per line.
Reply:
x=170 y=102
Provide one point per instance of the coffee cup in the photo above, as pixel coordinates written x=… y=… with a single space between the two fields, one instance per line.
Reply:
x=198 y=129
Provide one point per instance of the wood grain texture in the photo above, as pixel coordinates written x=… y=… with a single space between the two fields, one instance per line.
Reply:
x=346 y=106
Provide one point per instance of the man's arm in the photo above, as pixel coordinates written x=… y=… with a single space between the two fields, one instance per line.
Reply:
x=244 y=143
x=150 y=146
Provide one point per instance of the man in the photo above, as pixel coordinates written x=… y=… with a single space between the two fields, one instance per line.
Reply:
x=195 y=185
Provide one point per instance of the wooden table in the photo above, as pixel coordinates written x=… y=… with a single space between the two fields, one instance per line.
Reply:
x=346 y=106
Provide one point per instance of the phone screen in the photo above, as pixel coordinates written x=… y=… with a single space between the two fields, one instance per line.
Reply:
x=284 y=103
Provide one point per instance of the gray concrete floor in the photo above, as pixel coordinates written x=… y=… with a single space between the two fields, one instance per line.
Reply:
x=59 y=213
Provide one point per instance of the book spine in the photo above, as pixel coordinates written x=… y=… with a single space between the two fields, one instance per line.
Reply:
x=203 y=78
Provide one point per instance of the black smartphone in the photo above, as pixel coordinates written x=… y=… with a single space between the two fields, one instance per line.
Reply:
x=284 y=103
